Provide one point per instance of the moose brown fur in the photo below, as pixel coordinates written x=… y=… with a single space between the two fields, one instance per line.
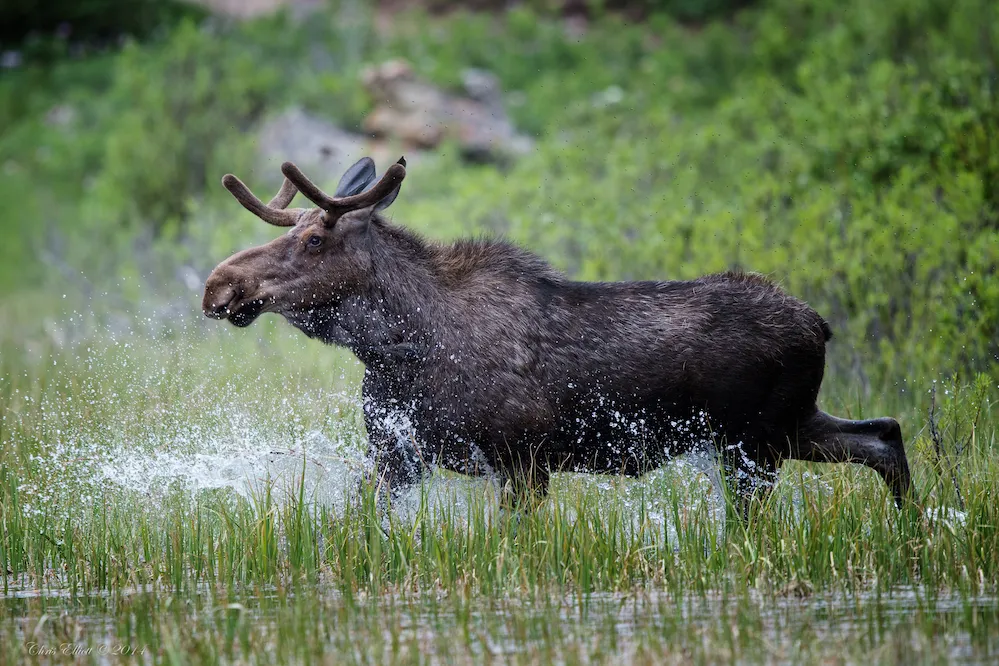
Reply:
x=480 y=356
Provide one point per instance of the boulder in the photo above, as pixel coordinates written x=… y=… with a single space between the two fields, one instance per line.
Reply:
x=320 y=148
x=421 y=115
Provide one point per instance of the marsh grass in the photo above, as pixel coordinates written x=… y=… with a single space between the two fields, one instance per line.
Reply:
x=202 y=493
x=253 y=556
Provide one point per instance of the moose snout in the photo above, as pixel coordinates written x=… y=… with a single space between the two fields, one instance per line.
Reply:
x=220 y=292
x=218 y=308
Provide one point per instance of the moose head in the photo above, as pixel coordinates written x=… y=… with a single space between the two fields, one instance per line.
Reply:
x=323 y=258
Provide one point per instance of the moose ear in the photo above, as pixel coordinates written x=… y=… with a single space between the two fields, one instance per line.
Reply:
x=390 y=197
x=357 y=178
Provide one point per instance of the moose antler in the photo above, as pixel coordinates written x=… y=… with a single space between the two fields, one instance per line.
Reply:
x=276 y=212
x=337 y=206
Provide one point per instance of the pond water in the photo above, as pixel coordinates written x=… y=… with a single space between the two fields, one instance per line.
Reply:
x=310 y=624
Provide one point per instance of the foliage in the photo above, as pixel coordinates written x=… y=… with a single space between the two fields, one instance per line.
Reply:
x=863 y=180
x=48 y=30
x=856 y=212
x=692 y=10
x=177 y=107
x=847 y=150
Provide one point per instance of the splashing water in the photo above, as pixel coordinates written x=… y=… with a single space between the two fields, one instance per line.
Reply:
x=190 y=419
x=241 y=458
x=240 y=451
x=242 y=463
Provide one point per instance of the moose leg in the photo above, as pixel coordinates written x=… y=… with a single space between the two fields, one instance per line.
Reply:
x=391 y=445
x=398 y=466
x=876 y=443
x=750 y=476
x=527 y=477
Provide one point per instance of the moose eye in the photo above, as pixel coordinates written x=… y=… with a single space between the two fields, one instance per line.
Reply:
x=314 y=241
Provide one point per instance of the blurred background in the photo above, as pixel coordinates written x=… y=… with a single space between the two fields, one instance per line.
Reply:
x=848 y=149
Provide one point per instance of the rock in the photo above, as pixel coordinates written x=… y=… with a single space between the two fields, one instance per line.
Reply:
x=408 y=111
x=421 y=115
x=11 y=59
x=61 y=115
x=483 y=86
x=248 y=9
x=320 y=148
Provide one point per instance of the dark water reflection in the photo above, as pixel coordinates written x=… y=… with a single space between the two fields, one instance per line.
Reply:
x=312 y=624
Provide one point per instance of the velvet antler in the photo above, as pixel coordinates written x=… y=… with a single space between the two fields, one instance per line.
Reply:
x=337 y=206
x=276 y=212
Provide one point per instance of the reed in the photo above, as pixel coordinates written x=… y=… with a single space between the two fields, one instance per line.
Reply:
x=306 y=546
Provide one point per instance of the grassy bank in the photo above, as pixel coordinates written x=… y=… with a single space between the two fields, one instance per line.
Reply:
x=197 y=493
x=70 y=507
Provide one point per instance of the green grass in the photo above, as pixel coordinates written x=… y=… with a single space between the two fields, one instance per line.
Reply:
x=407 y=627
x=302 y=561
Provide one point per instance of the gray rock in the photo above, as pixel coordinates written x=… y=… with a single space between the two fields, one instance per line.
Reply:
x=421 y=115
x=483 y=86
x=249 y=9
x=320 y=148
x=61 y=115
x=410 y=115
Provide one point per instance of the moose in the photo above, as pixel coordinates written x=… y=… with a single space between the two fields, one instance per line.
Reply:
x=482 y=358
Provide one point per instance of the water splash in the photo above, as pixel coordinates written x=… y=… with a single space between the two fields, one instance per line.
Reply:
x=151 y=420
x=241 y=459
x=243 y=463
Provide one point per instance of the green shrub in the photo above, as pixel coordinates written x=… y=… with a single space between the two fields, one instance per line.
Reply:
x=695 y=10
x=847 y=36
x=176 y=107
x=47 y=29
x=869 y=194
x=849 y=150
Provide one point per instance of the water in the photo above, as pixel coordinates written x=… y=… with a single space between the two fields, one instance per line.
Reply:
x=243 y=454
x=911 y=625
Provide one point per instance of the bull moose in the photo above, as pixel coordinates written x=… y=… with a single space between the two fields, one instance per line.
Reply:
x=480 y=357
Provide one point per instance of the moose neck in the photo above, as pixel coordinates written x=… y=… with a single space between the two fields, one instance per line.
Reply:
x=388 y=319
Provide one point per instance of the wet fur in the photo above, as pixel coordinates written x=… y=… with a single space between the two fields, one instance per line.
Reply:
x=504 y=352
x=481 y=357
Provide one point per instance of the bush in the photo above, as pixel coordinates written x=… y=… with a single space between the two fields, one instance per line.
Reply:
x=176 y=106
x=870 y=191
x=46 y=29
x=849 y=150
